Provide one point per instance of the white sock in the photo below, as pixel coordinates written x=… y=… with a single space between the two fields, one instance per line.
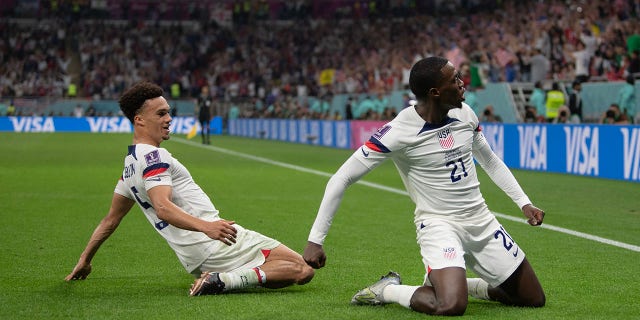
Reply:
x=399 y=294
x=243 y=279
x=478 y=288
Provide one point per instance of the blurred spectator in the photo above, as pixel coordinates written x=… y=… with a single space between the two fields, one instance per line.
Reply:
x=626 y=99
x=72 y=90
x=348 y=109
x=366 y=109
x=234 y=112
x=489 y=115
x=388 y=114
x=91 y=111
x=478 y=70
x=581 y=60
x=633 y=40
x=554 y=100
x=78 y=111
x=540 y=66
x=11 y=109
x=381 y=103
x=575 y=102
x=613 y=115
x=524 y=65
x=634 y=63
x=530 y=114
x=537 y=100
x=320 y=108
x=564 y=116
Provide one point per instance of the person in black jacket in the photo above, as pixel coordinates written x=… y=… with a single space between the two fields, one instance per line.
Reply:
x=575 y=102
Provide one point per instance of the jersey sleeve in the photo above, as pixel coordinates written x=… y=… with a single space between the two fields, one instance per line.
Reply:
x=350 y=172
x=157 y=168
x=497 y=170
x=121 y=189
x=371 y=154
x=382 y=144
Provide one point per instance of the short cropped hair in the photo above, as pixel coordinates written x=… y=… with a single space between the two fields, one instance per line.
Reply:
x=425 y=74
x=133 y=99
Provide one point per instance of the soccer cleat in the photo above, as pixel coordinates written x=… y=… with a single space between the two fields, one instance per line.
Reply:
x=371 y=295
x=208 y=283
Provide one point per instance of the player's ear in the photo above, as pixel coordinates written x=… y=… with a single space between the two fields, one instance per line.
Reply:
x=434 y=92
x=137 y=119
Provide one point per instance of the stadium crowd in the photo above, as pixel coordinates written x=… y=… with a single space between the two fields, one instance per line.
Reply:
x=279 y=52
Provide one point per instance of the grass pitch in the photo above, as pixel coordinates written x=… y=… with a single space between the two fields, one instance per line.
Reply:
x=56 y=188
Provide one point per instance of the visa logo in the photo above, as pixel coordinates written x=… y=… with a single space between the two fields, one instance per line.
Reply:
x=631 y=153
x=33 y=124
x=495 y=137
x=182 y=125
x=109 y=124
x=582 y=150
x=533 y=147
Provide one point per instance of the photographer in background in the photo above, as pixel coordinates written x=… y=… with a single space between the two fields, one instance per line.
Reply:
x=613 y=115
x=488 y=115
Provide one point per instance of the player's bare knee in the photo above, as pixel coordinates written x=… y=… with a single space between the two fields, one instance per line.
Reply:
x=456 y=308
x=450 y=307
x=305 y=274
x=538 y=302
x=426 y=302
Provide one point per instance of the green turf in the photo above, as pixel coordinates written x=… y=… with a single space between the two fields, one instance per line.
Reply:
x=56 y=188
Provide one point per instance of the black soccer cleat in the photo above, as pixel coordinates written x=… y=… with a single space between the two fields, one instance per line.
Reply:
x=208 y=283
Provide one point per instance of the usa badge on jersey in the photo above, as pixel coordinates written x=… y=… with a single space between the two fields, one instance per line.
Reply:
x=445 y=137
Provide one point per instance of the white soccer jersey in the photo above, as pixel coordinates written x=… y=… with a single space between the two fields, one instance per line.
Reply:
x=145 y=167
x=436 y=164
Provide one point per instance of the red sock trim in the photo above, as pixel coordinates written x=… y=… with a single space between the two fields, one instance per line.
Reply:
x=257 y=270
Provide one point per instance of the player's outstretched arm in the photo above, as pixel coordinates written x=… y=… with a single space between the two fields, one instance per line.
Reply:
x=120 y=206
x=222 y=230
x=350 y=172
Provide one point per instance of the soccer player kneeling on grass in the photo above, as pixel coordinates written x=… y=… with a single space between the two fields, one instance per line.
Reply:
x=433 y=145
x=221 y=254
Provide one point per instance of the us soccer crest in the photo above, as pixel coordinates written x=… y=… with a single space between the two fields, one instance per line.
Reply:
x=445 y=137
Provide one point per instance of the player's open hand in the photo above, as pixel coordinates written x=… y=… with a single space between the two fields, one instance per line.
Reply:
x=314 y=255
x=80 y=272
x=222 y=230
x=534 y=215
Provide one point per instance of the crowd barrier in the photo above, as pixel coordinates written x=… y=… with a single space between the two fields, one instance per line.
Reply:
x=603 y=151
x=595 y=150
x=179 y=125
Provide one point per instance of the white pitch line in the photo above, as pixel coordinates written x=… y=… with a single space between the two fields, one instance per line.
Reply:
x=402 y=192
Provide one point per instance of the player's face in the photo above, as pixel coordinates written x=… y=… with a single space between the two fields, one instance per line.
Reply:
x=451 y=87
x=156 y=119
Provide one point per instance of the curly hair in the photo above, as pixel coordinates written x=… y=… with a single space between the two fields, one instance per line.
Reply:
x=133 y=99
x=425 y=74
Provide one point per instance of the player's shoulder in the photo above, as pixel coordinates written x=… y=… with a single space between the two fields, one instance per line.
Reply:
x=464 y=114
x=400 y=131
x=151 y=154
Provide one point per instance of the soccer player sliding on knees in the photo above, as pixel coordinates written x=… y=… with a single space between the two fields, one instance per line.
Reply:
x=433 y=145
